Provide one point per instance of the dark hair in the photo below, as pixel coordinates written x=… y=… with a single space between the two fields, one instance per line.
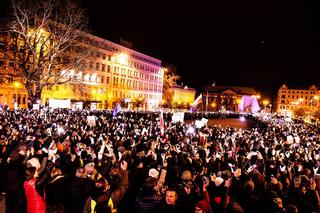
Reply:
x=30 y=173
x=234 y=207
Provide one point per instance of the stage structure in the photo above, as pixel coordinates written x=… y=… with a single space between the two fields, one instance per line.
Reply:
x=249 y=102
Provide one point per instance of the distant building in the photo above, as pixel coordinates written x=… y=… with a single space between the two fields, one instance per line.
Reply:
x=290 y=99
x=114 y=74
x=183 y=94
x=225 y=98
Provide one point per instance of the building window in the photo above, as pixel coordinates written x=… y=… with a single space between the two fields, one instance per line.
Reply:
x=97 y=66
x=2 y=46
x=103 y=68
x=11 y=64
x=102 y=79
x=104 y=57
x=109 y=57
x=108 y=80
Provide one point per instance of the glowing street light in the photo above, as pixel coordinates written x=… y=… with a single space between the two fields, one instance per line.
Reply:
x=265 y=103
x=17 y=84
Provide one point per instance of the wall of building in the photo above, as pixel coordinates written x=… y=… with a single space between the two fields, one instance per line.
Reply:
x=290 y=99
x=114 y=73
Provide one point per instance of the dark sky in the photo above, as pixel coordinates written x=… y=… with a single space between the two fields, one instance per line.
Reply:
x=258 y=43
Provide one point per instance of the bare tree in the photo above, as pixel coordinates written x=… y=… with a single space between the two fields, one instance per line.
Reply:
x=300 y=112
x=46 y=43
x=169 y=81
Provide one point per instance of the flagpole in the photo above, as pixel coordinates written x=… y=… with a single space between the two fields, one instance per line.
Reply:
x=207 y=102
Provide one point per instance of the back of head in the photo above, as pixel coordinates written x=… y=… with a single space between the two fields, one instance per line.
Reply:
x=30 y=172
x=234 y=207
x=292 y=209
x=249 y=186
x=148 y=187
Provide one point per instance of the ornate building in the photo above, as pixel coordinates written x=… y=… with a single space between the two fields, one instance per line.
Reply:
x=113 y=74
x=225 y=98
x=290 y=99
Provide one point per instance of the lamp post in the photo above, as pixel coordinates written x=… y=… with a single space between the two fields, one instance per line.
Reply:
x=265 y=103
x=17 y=85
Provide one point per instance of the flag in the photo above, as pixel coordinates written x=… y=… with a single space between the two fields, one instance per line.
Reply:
x=117 y=109
x=161 y=123
x=197 y=101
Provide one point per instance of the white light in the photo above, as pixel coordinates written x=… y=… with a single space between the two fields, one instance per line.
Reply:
x=242 y=119
x=123 y=58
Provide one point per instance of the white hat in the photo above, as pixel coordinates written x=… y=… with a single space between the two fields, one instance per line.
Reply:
x=153 y=173
x=34 y=162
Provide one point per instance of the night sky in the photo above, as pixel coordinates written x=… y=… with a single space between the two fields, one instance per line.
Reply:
x=255 y=43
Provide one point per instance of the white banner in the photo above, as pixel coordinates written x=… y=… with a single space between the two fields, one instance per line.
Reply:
x=204 y=121
x=198 y=124
x=178 y=116
x=56 y=103
x=36 y=106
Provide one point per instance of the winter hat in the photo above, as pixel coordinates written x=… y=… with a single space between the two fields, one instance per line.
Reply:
x=218 y=181
x=34 y=162
x=153 y=173
x=204 y=205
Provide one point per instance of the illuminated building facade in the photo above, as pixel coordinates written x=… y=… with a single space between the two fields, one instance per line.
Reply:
x=225 y=98
x=112 y=74
x=182 y=95
x=290 y=99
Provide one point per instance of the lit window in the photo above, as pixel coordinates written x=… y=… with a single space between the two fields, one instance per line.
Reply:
x=87 y=77
x=94 y=77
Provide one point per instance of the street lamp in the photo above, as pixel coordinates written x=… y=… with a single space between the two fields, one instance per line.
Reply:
x=265 y=103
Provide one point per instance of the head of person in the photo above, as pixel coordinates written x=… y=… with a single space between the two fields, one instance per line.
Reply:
x=55 y=172
x=234 y=207
x=30 y=173
x=171 y=196
x=292 y=209
x=202 y=207
x=81 y=172
x=90 y=168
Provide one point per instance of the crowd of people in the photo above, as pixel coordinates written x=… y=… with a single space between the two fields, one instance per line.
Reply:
x=58 y=161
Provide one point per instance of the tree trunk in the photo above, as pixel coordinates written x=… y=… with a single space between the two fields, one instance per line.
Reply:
x=34 y=94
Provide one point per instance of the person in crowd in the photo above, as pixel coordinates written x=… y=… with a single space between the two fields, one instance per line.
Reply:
x=130 y=162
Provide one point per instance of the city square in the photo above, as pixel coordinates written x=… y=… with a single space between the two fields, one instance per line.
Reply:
x=160 y=107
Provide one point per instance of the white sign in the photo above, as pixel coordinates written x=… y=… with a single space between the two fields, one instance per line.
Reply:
x=91 y=121
x=178 y=117
x=56 y=103
x=199 y=124
x=36 y=106
x=204 y=121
